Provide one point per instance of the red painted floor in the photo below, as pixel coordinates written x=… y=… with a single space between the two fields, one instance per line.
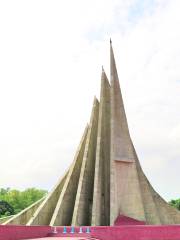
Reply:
x=59 y=238
x=123 y=232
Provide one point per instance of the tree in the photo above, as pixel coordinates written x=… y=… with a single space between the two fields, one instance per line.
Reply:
x=19 y=200
x=6 y=208
x=4 y=191
x=175 y=203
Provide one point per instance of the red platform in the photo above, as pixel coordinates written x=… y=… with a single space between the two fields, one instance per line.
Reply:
x=124 y=232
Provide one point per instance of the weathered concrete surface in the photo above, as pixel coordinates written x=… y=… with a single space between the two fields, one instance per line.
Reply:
x=101 y=196
x=150 y=208
x=43 y=214
x=23 y=217
x=121 y=148
x=65 y=205
x=5 y=219
x=125 y=193
x=131 y=193
x=84 y=198
x=167 y=214
x=105 y=180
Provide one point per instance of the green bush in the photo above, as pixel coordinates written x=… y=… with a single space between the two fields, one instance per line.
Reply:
x=19 y=200
x=175 y=203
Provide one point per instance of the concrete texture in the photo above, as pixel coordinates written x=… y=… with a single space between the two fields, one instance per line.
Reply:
x=105 y=180
x=84 y=198
x=125 y=193
x=65 y=205
x=4 y=219
x=101 y=197
x=43 y=214
x=24 y=216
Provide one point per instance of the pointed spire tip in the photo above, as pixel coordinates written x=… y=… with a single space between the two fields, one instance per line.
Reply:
x=102 y=69
x=95 y=100
x=110 y=41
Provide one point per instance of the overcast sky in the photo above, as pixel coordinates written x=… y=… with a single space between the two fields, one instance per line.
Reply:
x=51 y=53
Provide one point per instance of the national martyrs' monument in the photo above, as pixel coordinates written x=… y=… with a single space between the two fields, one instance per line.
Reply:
x=105 y=184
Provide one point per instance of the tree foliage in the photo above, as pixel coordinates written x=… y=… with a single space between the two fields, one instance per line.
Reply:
x=175 y=203
x=6 y=209
x=19 y=200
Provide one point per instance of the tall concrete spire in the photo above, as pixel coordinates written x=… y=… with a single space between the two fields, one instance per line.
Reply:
x=101 y=197
x=123 y=177
x=84 y=197
x=120 y=138
x=105 y=182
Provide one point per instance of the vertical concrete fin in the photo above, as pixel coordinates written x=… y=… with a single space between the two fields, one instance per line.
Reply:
x=120 y=138
x=65 y=205
x=172 y=214
x=150 y=208
x=43 y=214
x=101 y=197
x=125 y=193
x=23 y=217
x=167 y=214
x=84 y=197
x=157 y=210
x=126 y=198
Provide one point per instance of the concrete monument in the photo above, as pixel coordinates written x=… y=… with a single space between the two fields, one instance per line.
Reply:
x=105 y=181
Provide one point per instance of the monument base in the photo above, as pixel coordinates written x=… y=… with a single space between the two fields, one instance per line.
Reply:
x=123 y=232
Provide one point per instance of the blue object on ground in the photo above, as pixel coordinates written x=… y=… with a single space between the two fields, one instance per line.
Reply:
x=72 y=230
x=87 y=230
x=64 y=230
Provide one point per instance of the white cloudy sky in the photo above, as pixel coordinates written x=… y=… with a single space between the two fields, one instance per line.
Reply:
x=51 y=54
